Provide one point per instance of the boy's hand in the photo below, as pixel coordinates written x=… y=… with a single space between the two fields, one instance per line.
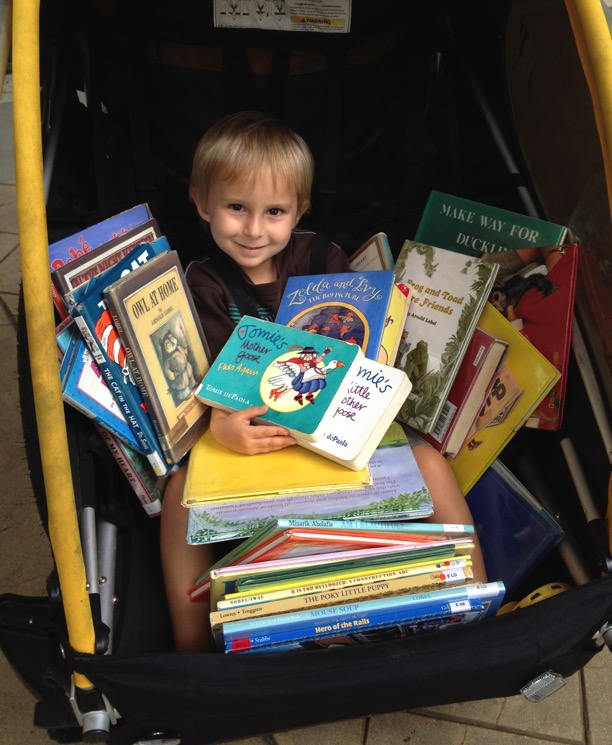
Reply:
x=235 y=430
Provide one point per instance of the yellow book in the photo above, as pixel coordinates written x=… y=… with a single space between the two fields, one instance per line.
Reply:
x=535 y=375
x=215 y=474
x=397 y=312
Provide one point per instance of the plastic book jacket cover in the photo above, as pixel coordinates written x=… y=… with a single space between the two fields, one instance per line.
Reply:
x=398 y=492
x=165 y=348
x=534 y=374
x=331 y=397
x=515 y=531
x=475 y=228
x=373 y=255
x=449 y=291
x=352 y=306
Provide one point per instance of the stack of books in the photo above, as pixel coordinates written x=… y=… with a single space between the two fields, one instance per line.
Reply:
x=311 y=584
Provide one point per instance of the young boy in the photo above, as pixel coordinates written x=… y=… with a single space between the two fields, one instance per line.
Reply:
x=251 y=182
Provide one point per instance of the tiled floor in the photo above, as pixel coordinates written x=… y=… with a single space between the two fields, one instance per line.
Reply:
x=579 y=714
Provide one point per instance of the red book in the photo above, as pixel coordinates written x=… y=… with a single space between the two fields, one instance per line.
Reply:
x=482 y=360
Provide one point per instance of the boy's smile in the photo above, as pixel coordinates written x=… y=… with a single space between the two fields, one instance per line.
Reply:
x=251 y=221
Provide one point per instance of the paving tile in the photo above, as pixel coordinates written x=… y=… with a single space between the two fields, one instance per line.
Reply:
x=17 y=707
x=8 y=211
x=560 y=715
x=598 y=695
x=349 y=732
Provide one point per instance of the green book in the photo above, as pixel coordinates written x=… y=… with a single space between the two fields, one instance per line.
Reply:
x=475 y=229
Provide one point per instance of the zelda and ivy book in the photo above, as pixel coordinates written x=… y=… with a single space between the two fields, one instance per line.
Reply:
x=449 y=291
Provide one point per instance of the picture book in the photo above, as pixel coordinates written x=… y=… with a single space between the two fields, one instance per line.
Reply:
x=135 y=467
x=352 y=306
x=165 y=347
x=480 y=364
x=217 y=474
x=514 y=529
x=366 y=627
x=539 y=299
x=327 y=394
x=536 y=284
x=71 y=247
x=91 y=314
x=85 y=389
x=449 y=291
x=447 y=571
x=501 y=398
x=98 y=260
x=535 y=376
x=474 y=228
x=397 y=490
x=358 y=614
x=373 y=255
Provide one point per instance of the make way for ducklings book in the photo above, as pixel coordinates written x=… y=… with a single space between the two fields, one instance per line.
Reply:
x=332 y=398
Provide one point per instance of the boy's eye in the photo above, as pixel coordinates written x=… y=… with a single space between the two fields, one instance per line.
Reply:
x=275 y=211
x=236 y=207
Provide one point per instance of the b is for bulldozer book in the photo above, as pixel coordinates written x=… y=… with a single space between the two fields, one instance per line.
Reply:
x=165 y=347
x=327 y=394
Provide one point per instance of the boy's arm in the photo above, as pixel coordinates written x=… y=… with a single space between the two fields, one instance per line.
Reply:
x=235 y=430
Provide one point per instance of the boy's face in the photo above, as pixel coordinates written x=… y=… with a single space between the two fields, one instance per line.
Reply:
x=251 y=221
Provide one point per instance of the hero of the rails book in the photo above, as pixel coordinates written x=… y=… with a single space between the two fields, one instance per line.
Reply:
x=166 y=349
x=331 y=397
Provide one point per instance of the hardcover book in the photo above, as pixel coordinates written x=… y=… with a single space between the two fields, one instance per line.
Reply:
x=166 y=351
x=357 y=307
x=374 y=255
x=475 y=229
x=482 y=360
x=449 y=291
x=91 y=314
x=514 y=529
x=327 y=394
x=68 y=249
x=98 y=260
x=534 y=374
x=536 y=283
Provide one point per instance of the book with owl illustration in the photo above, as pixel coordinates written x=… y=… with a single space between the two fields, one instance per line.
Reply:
x=449 y=291
x=165 y=346
x=325 y=391
x=364 y=308
x=88 y=307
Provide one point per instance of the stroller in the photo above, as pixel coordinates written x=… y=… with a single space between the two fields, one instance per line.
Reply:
x=153 y=79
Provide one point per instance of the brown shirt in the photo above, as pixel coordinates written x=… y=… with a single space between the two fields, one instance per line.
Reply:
x=216 y=307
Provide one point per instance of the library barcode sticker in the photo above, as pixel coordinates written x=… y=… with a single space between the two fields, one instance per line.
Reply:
x=322 y=16
x=460 y=605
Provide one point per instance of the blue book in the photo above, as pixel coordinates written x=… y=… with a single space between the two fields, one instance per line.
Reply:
x=85 y=388
x=352 y=306
x=357 y=625
x=332 y=398
x=90 y=312
x=491 y=594
x=514 y=529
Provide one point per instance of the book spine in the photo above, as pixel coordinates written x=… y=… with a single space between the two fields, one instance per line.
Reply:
x=448 y=567
x=131 y=407
x=358 y=622
x=149 y=499
x=452 y=594
x=389 y=527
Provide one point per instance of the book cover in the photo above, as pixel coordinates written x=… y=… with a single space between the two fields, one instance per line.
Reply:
x=365 y=627
x=217 y=474
x=71 y=247
x=474 y=228
x=539 y=299
x=514 y=529
x=166 y=351
x=85 y=388
x=352 y=306
x=449 y=291
x=91 y=314
x=398 y=491
x=501 y=398
x=481 y=362
x=331 y=397
x=98 y=260
x=135 y=467
x=374 y=255
x=535 y=376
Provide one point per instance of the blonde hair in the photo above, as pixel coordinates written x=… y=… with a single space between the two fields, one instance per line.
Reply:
x=239 y=145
